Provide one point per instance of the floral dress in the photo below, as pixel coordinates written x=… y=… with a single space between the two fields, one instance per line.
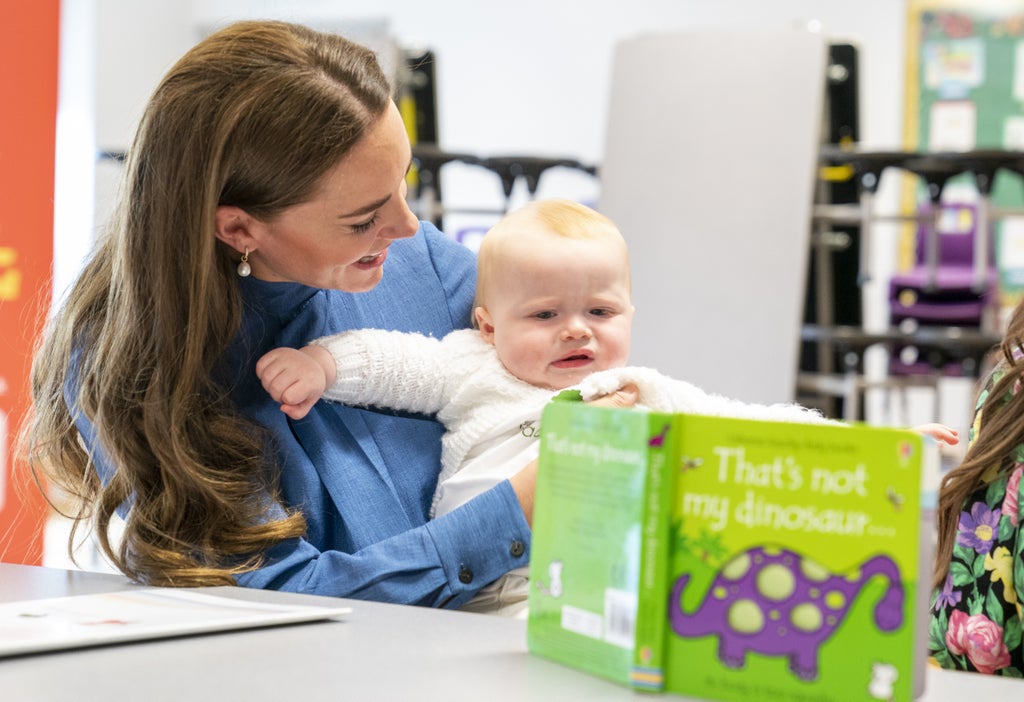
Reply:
x=976 y=616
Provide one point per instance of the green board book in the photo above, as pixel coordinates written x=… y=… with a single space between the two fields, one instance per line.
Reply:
x=731 y=559
x=601 y=542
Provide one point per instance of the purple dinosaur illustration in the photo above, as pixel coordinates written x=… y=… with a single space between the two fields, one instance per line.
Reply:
x=777 y=603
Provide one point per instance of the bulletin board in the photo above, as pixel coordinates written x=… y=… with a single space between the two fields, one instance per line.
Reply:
x=965 y=90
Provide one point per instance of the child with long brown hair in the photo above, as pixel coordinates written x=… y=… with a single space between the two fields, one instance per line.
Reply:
x=979 y=567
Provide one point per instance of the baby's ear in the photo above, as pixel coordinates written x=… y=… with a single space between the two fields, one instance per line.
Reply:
x=483 y=323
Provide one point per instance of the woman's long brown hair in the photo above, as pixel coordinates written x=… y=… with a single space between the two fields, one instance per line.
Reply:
x=253 y=117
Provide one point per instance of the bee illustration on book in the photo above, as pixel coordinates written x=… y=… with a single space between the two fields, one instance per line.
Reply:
x=688 y=463
x=894 y=497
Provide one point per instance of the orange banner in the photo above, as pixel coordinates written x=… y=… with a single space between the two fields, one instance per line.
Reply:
x=29 y=33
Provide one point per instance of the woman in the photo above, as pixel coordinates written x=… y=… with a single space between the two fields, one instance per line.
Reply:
x=979 y=568
x=264 y=198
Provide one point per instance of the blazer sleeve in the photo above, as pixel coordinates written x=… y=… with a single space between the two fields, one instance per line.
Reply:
x=442 y=563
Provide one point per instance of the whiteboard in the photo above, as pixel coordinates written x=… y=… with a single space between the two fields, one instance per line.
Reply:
x=709 y=171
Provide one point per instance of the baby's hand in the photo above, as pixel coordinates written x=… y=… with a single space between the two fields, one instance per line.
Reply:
x=294 y=377
x=621 y=398
x=939 y=432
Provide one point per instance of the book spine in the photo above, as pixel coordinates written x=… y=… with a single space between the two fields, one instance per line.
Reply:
x=648 y=671
x=930 y=478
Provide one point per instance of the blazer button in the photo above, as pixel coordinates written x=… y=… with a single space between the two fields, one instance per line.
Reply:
x=465 y=575
x=516 y=548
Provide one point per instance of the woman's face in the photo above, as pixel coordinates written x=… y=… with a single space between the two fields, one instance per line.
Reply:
x=339 y=238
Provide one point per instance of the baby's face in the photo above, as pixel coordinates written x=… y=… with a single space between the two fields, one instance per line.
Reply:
x=558 y=311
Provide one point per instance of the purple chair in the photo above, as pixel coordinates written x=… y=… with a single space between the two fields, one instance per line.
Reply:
x=945 y=294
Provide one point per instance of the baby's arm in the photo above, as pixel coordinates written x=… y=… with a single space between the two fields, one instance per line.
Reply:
x=669 y=395
x=401 y=370
x=296 y=377
x=664 y=394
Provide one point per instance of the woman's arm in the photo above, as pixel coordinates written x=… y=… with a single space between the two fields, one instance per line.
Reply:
x=442 y=563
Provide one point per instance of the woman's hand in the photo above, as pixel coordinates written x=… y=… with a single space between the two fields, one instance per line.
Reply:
x=523 y=483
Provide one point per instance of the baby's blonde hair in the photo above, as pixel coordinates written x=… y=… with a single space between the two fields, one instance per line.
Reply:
x=565 y=218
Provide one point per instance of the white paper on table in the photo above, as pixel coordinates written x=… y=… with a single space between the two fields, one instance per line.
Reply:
x=32 y=626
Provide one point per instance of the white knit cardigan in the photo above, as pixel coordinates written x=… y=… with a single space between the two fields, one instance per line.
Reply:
x=460 y=379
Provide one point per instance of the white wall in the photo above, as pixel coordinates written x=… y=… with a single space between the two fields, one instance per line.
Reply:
x=533 y=79
x=712 y=187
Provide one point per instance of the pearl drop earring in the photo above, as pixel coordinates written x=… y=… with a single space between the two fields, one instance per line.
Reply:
x=244 y=269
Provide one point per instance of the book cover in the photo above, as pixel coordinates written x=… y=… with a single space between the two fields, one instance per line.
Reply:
x=796 y=562
x=599 y=559
x=786 y=558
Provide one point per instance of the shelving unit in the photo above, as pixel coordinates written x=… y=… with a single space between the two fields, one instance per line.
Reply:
x=962 y=345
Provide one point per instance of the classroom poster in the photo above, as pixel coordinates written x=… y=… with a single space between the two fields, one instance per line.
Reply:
x=964 y=91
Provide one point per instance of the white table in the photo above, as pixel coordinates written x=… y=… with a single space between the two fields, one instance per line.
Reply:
x=378 y=652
